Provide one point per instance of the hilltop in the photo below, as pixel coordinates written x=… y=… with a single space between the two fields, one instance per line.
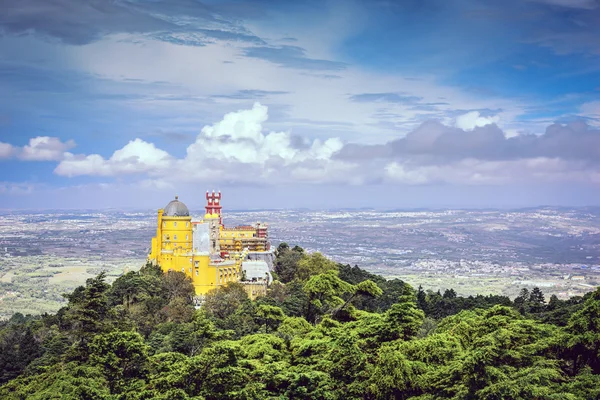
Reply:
x=323 y=331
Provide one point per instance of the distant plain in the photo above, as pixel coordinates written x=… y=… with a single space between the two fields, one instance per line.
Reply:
x=46 y=253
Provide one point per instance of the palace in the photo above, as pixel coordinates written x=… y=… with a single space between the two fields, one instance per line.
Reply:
x=208 y=252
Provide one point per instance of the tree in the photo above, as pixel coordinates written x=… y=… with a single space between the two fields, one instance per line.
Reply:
x=179 y=310
x=489 y=354
x=421 y=299
x=314 y=264
x=270 y=316
x=554 y=303
x=286 y=263
x=177 y=284
x=403 y=319
x=71 y=381
x=449 y=294
x=296 y=301
x=292 y=327
x=121 y=356
x=325 y=293
x=282 y=248
x=223 y=301
x=127 y=289
x=231 y=309
x=368 y=289
x=537 y=302
x=356 y=275
x=88 y=311
x=584 y=327
x=394 y=376
x=363 y=339
x=18 y=348
x=522 y=301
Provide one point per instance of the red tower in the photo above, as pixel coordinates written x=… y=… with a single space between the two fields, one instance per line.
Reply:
x=213 y=204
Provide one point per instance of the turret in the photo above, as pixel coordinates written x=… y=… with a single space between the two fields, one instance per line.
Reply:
x=213 y=205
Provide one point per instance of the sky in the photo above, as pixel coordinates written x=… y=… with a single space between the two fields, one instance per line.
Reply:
x=315 y=104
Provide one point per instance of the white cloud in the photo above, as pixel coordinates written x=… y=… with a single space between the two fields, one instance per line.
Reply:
x=483 y=172
x=45 y=148
x=238 y=150
x=591 y=110
x=510 y=133
x=473 y=119
x=6 y=150
x=234 y=149
x=238 y=137
x=137 y=156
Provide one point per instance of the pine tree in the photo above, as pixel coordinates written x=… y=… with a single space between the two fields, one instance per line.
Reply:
x=421 y=299
x=536 y=300
x=522 y=301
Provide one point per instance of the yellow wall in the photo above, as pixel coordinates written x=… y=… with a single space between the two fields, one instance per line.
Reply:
x=207 y=276
x=255 y=289
x=172 y=250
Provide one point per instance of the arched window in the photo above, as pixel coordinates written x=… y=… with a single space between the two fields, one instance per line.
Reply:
x=196 y=272
x=187 y=237
x=183 y=270
x=174 y=237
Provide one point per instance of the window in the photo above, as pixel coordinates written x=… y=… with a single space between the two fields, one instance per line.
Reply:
x=190 y=260
x=196 y=265
x=183 y=270
x=174 y=237
x=187 y=237
x=175 y=224
x=196 y=272
x=187 y=224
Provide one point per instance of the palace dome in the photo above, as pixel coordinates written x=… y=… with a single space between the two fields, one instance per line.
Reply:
x=175 y=208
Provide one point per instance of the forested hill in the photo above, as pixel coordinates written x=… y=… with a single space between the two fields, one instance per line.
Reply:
x=324 y=331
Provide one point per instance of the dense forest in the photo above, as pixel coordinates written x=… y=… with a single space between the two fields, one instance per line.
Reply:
x=324 y=331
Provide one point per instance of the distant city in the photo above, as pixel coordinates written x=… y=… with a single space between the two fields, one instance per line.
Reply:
x=45 y=254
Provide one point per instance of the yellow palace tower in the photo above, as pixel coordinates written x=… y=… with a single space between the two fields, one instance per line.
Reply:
x=210 y=254
x=172 y=246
